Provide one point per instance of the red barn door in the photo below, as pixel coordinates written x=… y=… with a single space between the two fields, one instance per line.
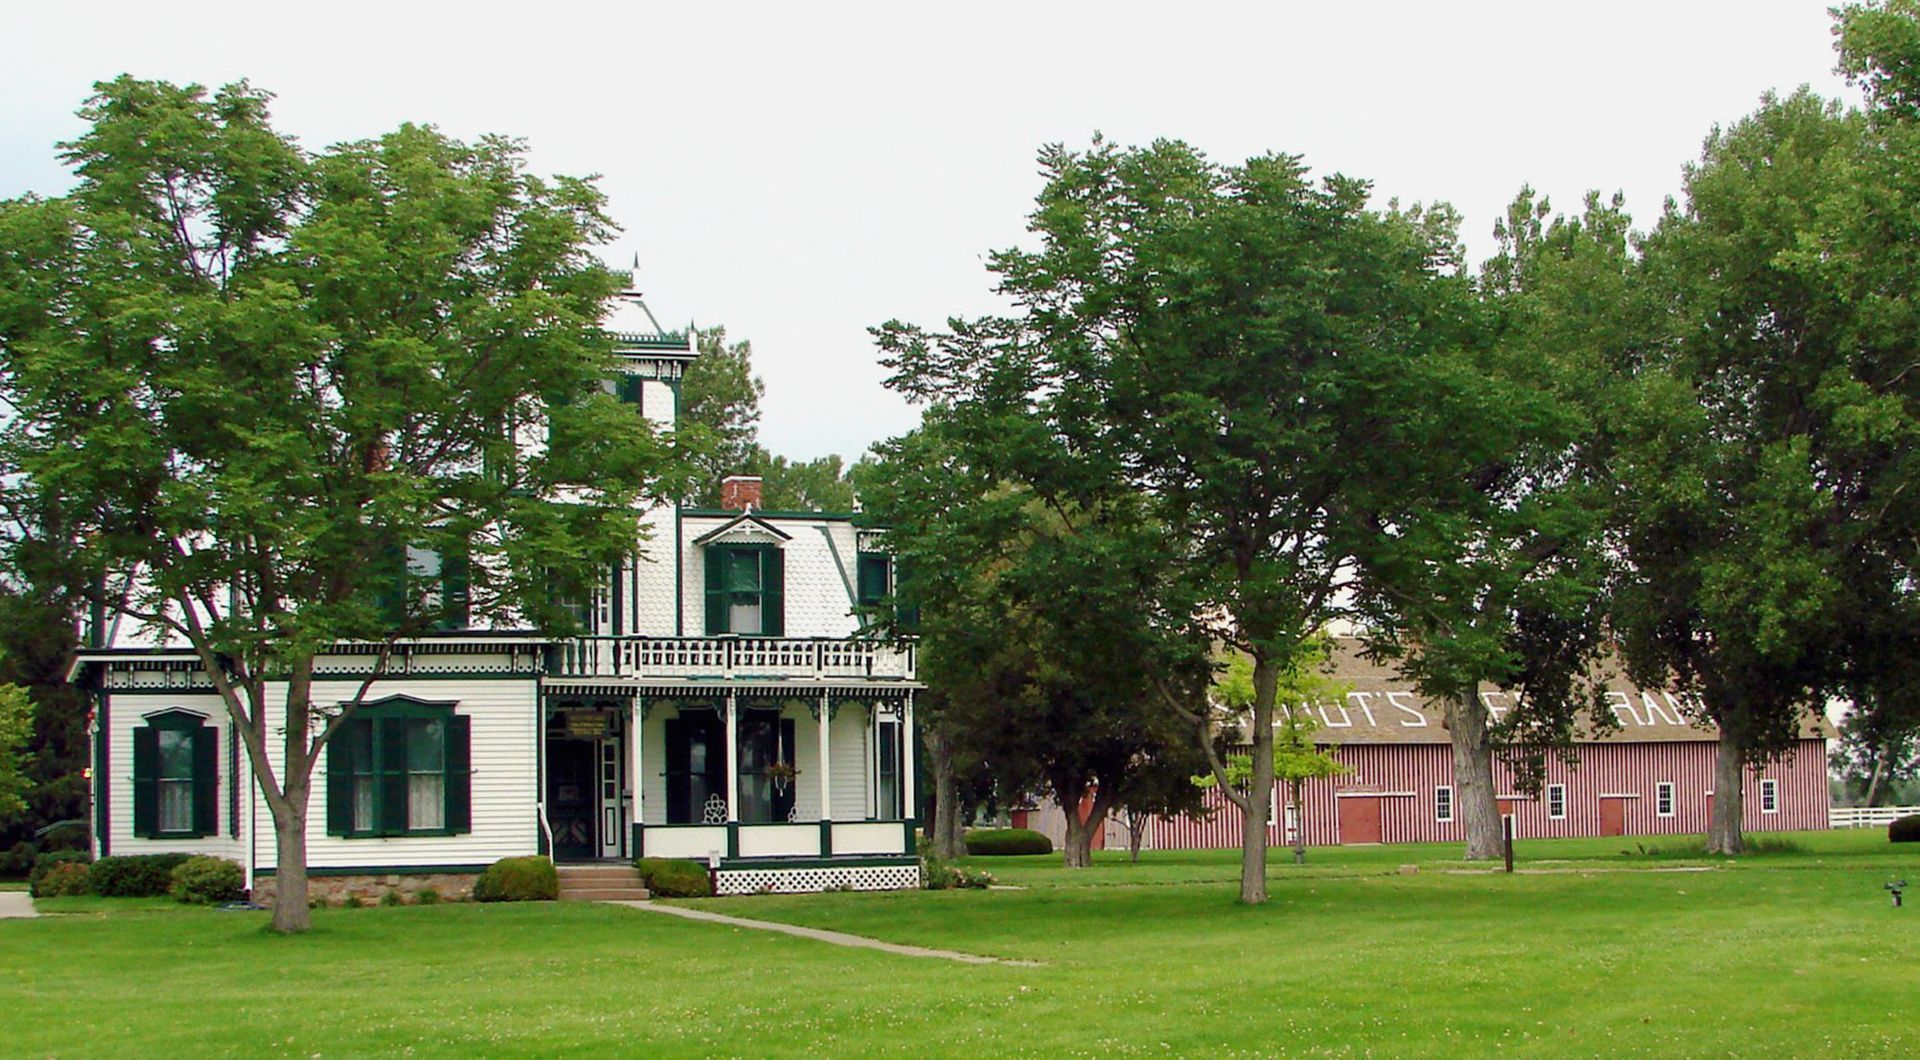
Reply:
x=1360 y=819
x=1613 y=816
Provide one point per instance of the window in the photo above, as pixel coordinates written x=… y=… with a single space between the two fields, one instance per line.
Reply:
x=696 y=746
x=175 y=777
x=400 y=767
x=886 y=752
x=423 y=578
x=1769 y=796
x=1443 y=803
x=745 y=590
x=766 y=795
x=875 y=572
x=1663 y=799
x=1556 y=801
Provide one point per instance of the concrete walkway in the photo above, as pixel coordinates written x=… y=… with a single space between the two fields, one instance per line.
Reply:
x=836 y=938
x=16 y=905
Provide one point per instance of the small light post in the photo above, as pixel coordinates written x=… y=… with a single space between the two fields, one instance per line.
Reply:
x=1894 y=887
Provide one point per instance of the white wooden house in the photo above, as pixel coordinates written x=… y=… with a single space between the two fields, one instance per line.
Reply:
x=722 y=706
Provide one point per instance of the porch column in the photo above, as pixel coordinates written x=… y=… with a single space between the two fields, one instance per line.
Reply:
x=907 y=759
x=733 y=759
x=826 y=770
x=638 y=784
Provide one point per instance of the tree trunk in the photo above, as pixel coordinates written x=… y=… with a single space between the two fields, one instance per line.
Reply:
x=1473 y=773
x=290 y=915
x=1078 y=851
x=1723 y=830
x=1873 y=779
x=1136 y=831
x=1299 y=824
x=949 y=831
x=1253 y=841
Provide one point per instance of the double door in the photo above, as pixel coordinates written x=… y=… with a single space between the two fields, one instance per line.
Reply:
x=586 y=797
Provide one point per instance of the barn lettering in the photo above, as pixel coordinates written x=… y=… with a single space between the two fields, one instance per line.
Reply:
x=1345 y=722
x=1414 y=719
x=1487 y=701
x=1618 y=700
x=1655 y=712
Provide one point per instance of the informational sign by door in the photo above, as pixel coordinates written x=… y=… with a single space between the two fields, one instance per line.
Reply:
x=588 y=724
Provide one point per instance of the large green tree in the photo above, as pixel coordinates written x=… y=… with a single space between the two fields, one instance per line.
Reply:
x=247 y=380
x=719 y=425
x=1224 y=343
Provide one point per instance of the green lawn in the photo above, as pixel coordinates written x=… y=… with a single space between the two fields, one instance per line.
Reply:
x=1591 y=952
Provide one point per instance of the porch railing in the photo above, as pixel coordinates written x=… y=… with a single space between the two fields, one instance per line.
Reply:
x=728 y=657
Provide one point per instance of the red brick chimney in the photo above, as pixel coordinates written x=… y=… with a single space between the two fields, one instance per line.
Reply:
x=740 y=493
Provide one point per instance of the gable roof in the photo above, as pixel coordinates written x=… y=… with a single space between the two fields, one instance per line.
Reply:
x=747 y=521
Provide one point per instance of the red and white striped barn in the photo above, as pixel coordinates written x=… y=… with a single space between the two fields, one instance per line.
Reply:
x=1651 y=776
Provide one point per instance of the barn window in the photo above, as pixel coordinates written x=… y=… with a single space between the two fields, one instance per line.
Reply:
x=1663 y=798
x=1443 y=803
x=1769 y=796
x=1557 y=801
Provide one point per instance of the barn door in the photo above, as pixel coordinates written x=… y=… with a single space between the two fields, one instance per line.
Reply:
x=1360 y=819
x=1613 y=816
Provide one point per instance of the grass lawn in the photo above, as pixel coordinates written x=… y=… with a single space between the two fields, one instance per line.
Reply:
x=1592 y=952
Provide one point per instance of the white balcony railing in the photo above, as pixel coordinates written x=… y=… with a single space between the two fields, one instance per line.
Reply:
x=642 y=658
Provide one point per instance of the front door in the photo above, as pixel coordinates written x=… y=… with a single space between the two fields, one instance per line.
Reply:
x=1613 y=816
x=572 y=808
x=1360 y=819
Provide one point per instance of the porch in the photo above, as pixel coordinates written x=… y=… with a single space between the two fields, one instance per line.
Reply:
x=731 y=657
x=746 y=777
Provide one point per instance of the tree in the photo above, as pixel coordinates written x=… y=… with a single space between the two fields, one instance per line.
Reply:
x=16 y=726
x=36 y=651
x=719 y=413
x=257 y=391
x=822 y=484
x=1733 y=518
x=1296 y=758
x=1223 y=343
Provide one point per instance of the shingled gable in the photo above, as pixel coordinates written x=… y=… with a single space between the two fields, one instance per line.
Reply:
x=744 y=527
x=1381 y=707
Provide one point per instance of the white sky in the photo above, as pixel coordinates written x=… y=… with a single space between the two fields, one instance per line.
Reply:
x=800 y=172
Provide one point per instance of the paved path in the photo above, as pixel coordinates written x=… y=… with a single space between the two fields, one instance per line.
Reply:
x=837 y=938
x=15 y=904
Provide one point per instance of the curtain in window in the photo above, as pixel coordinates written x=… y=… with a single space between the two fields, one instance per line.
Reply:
x=176 y=780
x=426 y=774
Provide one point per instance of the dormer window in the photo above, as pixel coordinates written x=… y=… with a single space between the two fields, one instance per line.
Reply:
x=746 y=590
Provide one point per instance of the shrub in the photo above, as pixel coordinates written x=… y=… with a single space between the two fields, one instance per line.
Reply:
x=44 y=863
x=937 y=875
x=529 y=879
x=427 y=896
x=352 y=901
x=64 y=880
x=1905 y=830
x=17 y=862
x=136 y=875
x=208 y=881
x=995 y=842
x=391 y=898
x=674 y=878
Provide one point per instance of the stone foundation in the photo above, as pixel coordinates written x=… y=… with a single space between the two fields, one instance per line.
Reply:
x=334 y=890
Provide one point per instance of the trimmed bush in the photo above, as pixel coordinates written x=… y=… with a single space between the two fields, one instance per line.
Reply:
x=136 y=875
x=208 y=881
x=529 y=879
x=674 y=878
x=997 y=842
x=1905 y=830
x=64 y=880
x=45 y=863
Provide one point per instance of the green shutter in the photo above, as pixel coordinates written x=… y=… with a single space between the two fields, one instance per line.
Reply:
x=716 y=590
x=340 y=777
x=872 y=571
x=206 y=780
x=629 y=390
x=146 y=781
x=773 y=596
x=454 y=591
x=391 y=749
x=459 y=773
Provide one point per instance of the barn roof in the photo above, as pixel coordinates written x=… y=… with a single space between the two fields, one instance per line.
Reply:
x=1381 y=707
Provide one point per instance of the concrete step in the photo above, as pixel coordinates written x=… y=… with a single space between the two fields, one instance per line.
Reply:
x=597 y=872
x=604 y=894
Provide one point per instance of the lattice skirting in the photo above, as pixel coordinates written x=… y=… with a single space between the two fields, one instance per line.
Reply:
x=801 y=881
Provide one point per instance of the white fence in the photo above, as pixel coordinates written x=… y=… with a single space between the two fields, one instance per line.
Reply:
x=1867 y=816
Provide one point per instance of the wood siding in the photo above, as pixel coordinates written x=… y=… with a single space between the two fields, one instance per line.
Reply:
x=1405 y=777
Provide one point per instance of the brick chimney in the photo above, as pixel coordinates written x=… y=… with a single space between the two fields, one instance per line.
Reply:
x=740 y=493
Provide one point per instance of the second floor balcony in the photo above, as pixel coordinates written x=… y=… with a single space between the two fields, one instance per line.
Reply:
x=727 y=657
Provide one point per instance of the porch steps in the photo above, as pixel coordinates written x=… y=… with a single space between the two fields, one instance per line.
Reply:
x=600 y=883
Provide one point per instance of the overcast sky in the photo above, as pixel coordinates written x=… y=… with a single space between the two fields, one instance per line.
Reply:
x=800 y=172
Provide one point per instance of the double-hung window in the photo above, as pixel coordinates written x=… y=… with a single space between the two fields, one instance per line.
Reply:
x=400 y=767
x=1769 y=796
x=1663 y=799
x=1556 y=801
x=175 y=777
x=745 y=590
x=1443 y=803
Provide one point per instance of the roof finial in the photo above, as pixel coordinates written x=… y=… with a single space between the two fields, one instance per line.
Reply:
x=633 y=278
